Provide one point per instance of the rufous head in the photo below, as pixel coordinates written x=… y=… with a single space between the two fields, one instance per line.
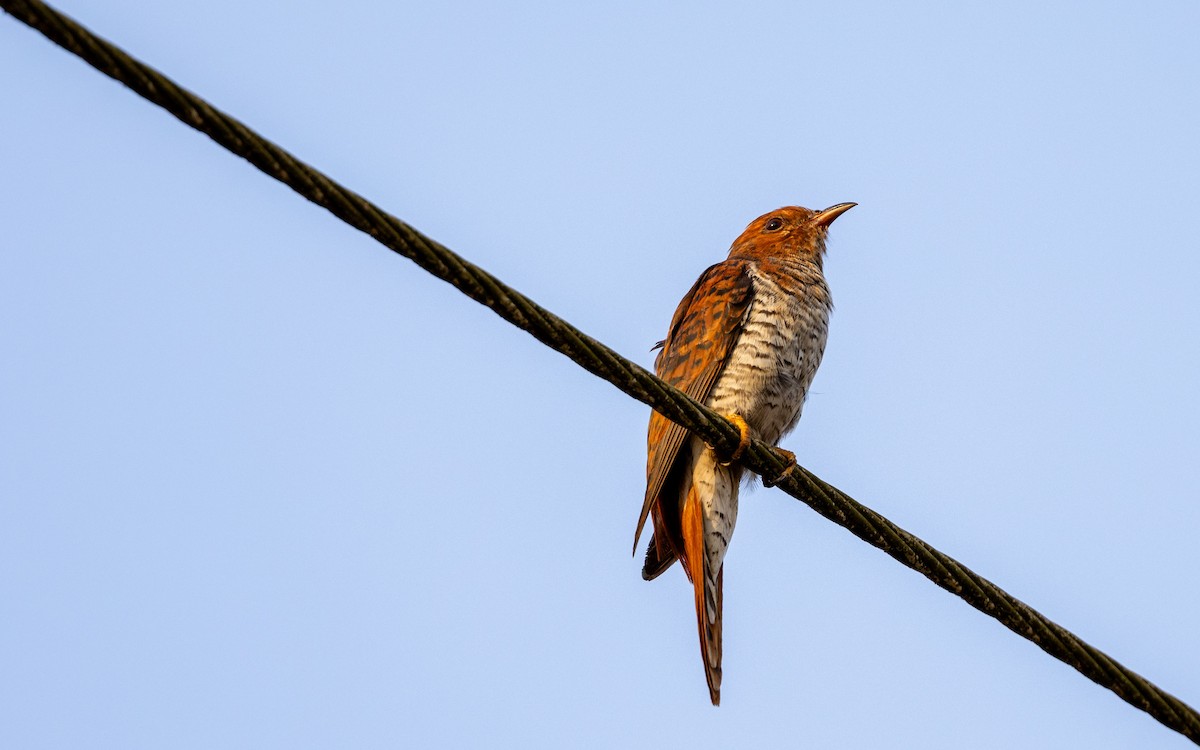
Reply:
x=788 y=233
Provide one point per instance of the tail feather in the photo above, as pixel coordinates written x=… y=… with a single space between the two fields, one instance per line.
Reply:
x=708 y=590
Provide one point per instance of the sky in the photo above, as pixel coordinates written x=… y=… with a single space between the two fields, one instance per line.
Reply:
x=264 y=483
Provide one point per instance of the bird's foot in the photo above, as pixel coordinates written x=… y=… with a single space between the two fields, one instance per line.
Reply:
x=743 y=442
x=791 y=459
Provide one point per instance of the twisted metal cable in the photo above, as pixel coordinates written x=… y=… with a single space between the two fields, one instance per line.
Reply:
x=602 y=361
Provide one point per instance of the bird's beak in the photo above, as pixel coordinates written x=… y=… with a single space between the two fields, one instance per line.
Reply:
x=826 y=217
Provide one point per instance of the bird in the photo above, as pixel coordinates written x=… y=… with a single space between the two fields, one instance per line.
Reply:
x=746 y=341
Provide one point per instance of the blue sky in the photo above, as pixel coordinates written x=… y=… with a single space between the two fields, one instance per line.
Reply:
x=266 y=484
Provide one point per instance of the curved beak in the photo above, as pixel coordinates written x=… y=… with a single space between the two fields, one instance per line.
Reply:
x=826 y=217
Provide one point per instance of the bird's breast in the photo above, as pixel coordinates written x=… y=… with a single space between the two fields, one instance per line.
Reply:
x=777 y=354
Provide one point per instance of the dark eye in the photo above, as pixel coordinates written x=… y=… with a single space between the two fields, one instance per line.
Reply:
x=774 y=224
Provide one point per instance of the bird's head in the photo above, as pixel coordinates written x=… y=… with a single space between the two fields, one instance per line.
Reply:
x=788 y=233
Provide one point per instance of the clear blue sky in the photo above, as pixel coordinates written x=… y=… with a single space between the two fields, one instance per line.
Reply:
x=265 y=484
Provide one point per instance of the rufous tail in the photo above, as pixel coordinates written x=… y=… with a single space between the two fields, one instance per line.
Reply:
x=708 y=593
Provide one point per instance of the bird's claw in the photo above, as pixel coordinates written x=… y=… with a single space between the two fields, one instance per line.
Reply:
x=791 y=459
x=743 y=441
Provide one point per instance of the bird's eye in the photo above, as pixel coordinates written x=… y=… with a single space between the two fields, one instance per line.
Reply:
x=774 y=225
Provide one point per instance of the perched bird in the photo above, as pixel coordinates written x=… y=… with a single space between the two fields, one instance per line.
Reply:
x=746 y=341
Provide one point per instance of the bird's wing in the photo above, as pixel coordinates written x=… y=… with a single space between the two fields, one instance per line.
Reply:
x=703 y=332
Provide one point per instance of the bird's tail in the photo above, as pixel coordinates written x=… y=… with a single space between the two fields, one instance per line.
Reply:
x=708 y=590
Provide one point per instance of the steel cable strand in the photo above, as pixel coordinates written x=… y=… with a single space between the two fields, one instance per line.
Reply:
x=994 y=601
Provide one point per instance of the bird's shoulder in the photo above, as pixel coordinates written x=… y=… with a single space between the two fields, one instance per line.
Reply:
x=709 y=316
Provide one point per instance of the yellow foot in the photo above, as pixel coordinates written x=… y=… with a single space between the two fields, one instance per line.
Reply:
x=791 y=459
x=743 y=443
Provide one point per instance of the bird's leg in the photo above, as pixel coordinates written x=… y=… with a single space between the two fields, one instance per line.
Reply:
x=791 y=459
x=743 y=442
